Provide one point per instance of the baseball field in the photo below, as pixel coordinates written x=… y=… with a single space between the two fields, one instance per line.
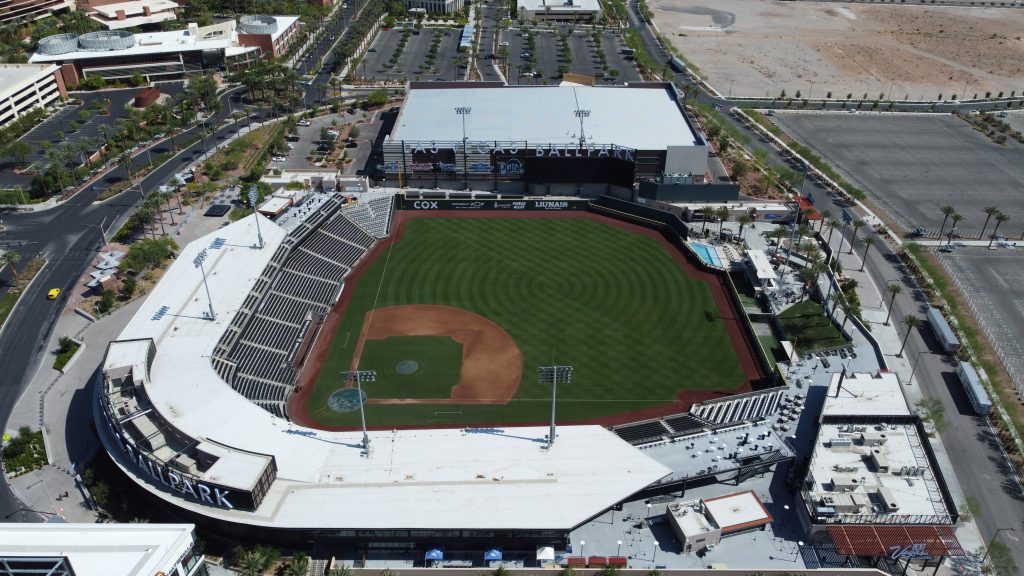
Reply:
x=455 y=314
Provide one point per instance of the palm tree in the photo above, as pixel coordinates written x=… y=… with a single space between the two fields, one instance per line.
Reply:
x=144 y=215
x=153 y=202
x=723 y=214
x=894 y=290
x=956 y=217
x=299 y=565
x=166 y=198
x=947 y=211
x=124 y=160
x=911 y=322
x=1000 y=218
x=251 y=562
x=340 y=571
x=849 y=309
x=826 y=216
x=743 y=220
x=856 y=225
x=989 y=211
x=10 y=258
x=778 y=233
x=172 y=131
x=832 y=225
x=869 y=241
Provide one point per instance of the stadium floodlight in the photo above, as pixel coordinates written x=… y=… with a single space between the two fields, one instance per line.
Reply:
x=198 y=263
x=554 y=375
x=360 y=376
x=464 y=111
x=254 y=195
x=581 y=114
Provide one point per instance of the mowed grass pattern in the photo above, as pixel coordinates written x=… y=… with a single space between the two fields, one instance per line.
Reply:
x=438 y=359
x=611 y=303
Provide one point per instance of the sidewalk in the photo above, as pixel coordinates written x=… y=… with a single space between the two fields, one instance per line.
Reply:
x=61 y=404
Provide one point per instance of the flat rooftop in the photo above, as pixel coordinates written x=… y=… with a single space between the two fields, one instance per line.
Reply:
x=863 y=394
x=559 y=5
x=13 y=75
x=100 y=549
x=851 y=472
x=493 y=478
x=135 y=7
x=647 y=118
x=737 y=511
x=171 y=42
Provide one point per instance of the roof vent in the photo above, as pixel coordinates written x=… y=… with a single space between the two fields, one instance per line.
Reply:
x=257 y=24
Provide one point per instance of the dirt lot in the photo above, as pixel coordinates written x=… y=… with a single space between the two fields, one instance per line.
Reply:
x=761 y=47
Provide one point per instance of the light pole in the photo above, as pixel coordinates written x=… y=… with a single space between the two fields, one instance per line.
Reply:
x=554 y=375
x=914 y=367
x=582 y=544
x=618 y=547
x=993 y=541
x=464 y=111
x=359 y=376
x=648 y=511
x=889 y=95
x=655 y=555
x=254 y=194
x=198 y=263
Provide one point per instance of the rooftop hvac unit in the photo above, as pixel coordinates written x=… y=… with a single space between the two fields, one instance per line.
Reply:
x=841 y=443
x=889 y=503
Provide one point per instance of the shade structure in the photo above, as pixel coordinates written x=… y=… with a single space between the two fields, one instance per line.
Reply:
x=434 y=554
x=545 y=553
x=896 y=541
x=492 y=554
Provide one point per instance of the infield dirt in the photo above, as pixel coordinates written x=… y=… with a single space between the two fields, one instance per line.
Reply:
x=758 y=48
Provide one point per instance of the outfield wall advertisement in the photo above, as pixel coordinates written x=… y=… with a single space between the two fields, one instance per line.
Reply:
x=509 y=205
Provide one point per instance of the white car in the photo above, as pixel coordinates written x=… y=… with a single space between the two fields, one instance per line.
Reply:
x=279 y=158
x=302 y=123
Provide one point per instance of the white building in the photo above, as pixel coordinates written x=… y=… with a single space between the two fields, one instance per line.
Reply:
x=133 y=13
x=559 y=10
x=25 y=87
x=61 y=549
x=436 y=6
x=700 y=524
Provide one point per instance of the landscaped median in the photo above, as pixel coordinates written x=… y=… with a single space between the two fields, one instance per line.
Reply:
x=21 y=282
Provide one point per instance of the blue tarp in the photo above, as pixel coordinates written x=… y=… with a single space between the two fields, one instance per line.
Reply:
x=492 y=554
x=434 y=554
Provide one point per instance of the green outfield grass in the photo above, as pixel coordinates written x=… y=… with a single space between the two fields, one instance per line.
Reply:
x=438 y=360
x=611 y=303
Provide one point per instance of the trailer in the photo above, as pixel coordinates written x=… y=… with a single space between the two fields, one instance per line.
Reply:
x=942 y=331
x=677 y=65
x=973 y=388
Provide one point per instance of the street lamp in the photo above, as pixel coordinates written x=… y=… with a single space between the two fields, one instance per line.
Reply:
x=618 y=547
x=655 y=555
x=198 y=263
x=993 y=541
x=464 y=111
x=582 y=544
x=913 y=368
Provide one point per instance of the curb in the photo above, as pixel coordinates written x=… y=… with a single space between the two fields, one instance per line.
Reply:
x=25 y=291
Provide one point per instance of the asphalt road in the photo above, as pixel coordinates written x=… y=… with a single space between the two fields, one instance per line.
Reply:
x=490 y=19
x=68 y=236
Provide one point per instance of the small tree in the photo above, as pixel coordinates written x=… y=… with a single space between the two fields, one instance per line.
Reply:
x=933 y=411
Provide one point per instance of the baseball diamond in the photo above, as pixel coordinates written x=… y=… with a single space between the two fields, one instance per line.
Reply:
x=645 y=330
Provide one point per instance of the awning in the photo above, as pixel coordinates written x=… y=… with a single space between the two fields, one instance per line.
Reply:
x=434 y=554
x=897 y=542
x=545 y=553
x=492 y=554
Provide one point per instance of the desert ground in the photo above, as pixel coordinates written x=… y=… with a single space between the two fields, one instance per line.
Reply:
x=758 y=48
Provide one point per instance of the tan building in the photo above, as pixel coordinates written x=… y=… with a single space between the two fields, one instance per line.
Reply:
x=25 y=87
x=700 y=524
x=32 y=9
x=117 y=14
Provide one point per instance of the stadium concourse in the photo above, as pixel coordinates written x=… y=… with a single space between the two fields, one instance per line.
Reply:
x=173 y=424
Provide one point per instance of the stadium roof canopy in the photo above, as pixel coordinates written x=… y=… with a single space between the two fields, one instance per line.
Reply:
x=642 y=118
x=492 y=478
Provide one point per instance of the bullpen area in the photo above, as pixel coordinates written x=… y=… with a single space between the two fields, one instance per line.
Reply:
x=454 y=313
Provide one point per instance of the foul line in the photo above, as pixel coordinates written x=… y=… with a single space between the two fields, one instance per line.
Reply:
x=369 y=319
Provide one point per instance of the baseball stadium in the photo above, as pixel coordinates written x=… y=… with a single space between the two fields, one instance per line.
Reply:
x=385 y=370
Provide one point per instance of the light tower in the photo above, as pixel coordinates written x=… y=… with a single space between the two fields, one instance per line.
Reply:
x=554 y=375
x=198 y=263
x=360 y=376
x=254 y=195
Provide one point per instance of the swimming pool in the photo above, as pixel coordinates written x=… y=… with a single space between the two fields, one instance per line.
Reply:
x=707 y=253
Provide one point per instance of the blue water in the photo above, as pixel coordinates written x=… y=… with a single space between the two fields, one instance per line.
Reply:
x=707 y=253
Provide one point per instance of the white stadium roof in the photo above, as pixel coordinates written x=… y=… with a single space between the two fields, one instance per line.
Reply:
x=438 y=478
x=642 y=118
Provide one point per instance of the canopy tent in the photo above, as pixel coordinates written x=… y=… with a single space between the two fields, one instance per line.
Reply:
x=434 y=554
x=492 y=554
x=545 y=553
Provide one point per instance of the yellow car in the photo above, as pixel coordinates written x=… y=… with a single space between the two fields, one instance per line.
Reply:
x=53 y=293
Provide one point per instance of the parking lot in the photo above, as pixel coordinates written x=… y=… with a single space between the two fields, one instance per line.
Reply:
x=547 y=60
x=911 y=164
x=305 y=144
x=420 y=59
